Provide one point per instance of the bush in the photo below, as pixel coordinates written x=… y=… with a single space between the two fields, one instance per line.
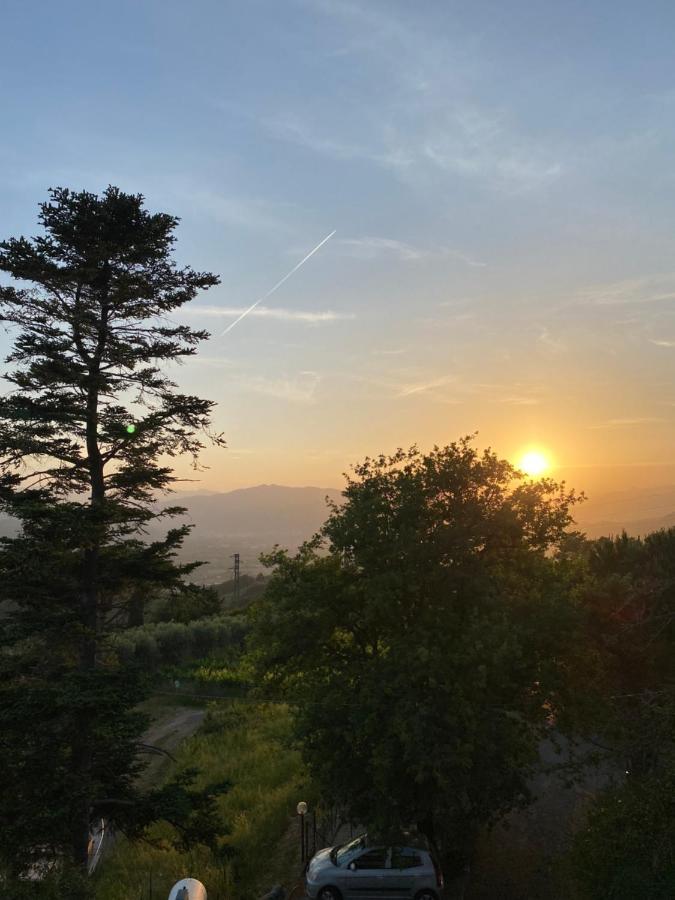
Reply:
x=202 y=635
x=172 y=643
x=175 y=641
x=146 y=651
x=627 y=849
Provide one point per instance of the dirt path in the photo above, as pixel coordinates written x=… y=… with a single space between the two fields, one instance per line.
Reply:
x=170 y=727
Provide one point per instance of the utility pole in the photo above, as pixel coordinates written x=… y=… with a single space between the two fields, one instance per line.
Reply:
x=235 y=569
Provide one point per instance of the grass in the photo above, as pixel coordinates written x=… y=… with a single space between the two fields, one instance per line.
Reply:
x=248 y=745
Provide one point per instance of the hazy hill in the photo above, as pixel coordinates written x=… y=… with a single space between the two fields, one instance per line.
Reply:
x=250 y=521
x=286 y=514
x=637 y=510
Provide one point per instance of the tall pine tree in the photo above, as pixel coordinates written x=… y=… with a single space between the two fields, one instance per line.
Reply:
x=87 y=430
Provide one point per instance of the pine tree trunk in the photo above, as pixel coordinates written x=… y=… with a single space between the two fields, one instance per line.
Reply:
x=83 y=748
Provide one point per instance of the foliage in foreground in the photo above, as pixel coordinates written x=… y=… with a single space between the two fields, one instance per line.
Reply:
x=424 y=652
x=627 y=847
x=626 y=851
x=86 y=430
x=249 y=746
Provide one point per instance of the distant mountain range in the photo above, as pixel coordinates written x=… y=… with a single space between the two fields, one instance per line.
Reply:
x=250 y=521
x=287 y=515
x=637 y=510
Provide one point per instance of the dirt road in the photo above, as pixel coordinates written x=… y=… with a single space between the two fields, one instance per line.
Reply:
x=170 y=727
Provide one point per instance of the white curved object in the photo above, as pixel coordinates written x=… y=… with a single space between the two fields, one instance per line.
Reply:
x=188 y=889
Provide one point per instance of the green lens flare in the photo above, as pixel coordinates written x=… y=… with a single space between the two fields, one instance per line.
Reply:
x=131 y=429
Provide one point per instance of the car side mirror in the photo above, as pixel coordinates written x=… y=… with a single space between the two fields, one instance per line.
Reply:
x=352 y=866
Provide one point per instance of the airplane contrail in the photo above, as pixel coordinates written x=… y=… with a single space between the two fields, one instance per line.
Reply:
x=278 y=284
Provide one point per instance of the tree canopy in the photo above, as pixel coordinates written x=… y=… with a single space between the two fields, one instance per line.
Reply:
x=88 y=428
x=421 y=638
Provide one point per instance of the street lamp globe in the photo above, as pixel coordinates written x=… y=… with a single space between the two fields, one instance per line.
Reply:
x=301 y=808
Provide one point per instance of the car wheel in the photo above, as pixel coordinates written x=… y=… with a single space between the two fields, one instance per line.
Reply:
x=426 y=894
x=329 y=893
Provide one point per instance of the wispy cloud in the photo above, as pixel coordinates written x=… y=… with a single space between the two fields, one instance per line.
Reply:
x=549 y=343
x=299 y=389
x=231 y=209
x=395 y=351
x=271 y=312
x=627 y=422
x=293 y=129
x=427 y=123
x=497 y=157
x=520 y=401
x=372 y=247
x=646 y=289
x=424 y=387
x=663 y=343
x=493 y=155
x=210 y=362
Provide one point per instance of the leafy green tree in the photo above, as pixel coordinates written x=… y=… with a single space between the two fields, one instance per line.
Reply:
x=87 y=432
x=627 y=847
x=422 y=637
x=190 y=602
x=628 y=599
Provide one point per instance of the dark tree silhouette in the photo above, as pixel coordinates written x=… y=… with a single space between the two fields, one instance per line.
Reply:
x=87 y=432
x=424 y=651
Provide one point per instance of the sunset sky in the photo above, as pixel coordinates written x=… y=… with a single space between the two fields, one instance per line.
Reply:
x=500 y=176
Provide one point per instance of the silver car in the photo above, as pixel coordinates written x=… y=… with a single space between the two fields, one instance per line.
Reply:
x=363 y=869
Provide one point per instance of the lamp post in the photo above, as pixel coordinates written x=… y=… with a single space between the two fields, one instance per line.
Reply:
x=301 y=810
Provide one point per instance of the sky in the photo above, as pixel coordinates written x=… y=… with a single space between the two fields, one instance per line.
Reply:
x=499 y=177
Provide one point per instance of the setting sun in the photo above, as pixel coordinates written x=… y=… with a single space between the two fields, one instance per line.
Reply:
x=534 y=463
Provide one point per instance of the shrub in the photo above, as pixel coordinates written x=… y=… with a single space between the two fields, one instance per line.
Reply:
x=175 y=641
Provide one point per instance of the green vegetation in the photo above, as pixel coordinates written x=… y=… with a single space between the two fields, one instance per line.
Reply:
x=442 y=624
x=425 y=650
x=171 y=643
x=250 y=589
x=90 y=301
x=192 y=602
x=249 y=746
x=627 y=848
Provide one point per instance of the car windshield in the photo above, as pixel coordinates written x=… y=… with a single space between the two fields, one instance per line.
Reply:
x=341 y=855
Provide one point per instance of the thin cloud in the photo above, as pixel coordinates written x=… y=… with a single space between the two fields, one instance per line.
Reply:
x=300 y=389
x=211 y=362
x=647 y=289
x=663 y=343
x=424 y=387
x=397 y=351
x=550 y=343
x=230 y=210
x=372 y=247
x=295 y=131
x=495 y=157
x=427 y=125
x=628 y=422
x=520 y=401
x=272 y=312
x=490 y=158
